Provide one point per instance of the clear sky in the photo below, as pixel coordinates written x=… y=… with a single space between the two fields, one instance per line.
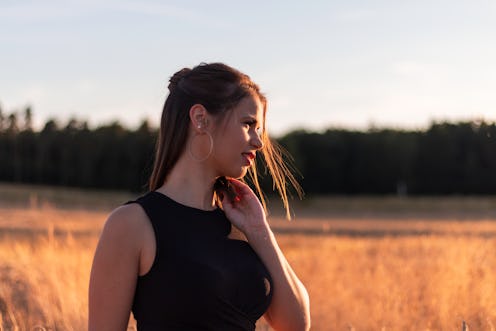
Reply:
x=322 y=64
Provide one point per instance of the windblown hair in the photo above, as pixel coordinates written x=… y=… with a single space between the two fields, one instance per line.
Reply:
x=219 y=88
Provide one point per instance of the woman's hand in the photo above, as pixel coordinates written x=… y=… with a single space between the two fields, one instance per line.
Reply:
x=245 y=211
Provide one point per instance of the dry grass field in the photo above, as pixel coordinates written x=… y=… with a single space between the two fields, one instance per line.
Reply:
x=364 y=271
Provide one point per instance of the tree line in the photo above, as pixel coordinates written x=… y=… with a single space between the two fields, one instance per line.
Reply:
x=446 y=158
x=107 y=157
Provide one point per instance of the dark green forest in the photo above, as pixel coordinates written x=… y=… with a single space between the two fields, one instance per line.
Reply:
x=446 y=158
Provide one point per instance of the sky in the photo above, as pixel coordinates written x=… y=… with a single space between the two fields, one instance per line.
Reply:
x=352 y=64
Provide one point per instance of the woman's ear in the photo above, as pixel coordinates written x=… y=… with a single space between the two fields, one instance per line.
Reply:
x=198 y=116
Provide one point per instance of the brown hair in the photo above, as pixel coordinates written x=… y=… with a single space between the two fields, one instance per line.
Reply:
x=219 y=88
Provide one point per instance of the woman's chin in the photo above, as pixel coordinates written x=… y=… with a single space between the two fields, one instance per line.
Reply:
x=238 y=174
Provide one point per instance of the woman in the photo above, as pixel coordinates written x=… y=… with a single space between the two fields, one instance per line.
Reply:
x=196 y=252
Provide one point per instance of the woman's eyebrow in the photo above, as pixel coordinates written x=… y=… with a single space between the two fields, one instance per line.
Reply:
x=250 y=117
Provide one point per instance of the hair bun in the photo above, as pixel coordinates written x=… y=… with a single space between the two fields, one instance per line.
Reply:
x=177 y=77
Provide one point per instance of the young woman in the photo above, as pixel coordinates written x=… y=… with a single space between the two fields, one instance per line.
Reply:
x=197 y=252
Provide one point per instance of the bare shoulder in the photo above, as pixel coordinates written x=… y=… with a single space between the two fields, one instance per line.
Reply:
x=127 y=222
x=130 y=215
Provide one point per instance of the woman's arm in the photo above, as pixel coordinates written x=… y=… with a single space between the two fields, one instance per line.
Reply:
x=290 y=306
x=115 y=271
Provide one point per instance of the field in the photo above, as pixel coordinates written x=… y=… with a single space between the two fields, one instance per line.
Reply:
x=368 y=263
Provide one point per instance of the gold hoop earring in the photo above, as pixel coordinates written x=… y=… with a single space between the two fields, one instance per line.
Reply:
x=210 y=149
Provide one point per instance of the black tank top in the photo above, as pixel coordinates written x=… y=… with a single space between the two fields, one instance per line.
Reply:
x=200 y=279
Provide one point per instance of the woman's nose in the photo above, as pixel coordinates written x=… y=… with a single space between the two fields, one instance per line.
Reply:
x=256 y=141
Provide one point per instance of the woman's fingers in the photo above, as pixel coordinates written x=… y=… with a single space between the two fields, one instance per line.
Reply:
x=240 y=187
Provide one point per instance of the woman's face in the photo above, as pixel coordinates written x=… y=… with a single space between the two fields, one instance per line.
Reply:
x=236 y=139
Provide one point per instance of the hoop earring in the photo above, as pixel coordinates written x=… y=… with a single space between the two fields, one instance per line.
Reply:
x=210 y=149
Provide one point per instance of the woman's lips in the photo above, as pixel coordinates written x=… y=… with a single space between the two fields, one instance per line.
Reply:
x=249 y=157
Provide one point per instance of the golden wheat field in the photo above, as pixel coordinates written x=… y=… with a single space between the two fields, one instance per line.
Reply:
x=372 y=272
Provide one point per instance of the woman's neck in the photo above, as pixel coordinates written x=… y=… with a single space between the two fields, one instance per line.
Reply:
x=190 y=184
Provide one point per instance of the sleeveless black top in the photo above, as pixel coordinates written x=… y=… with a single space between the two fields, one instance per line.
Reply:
x=200 y=279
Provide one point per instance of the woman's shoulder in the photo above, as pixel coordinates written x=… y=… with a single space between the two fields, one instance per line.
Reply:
x=127 y=220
